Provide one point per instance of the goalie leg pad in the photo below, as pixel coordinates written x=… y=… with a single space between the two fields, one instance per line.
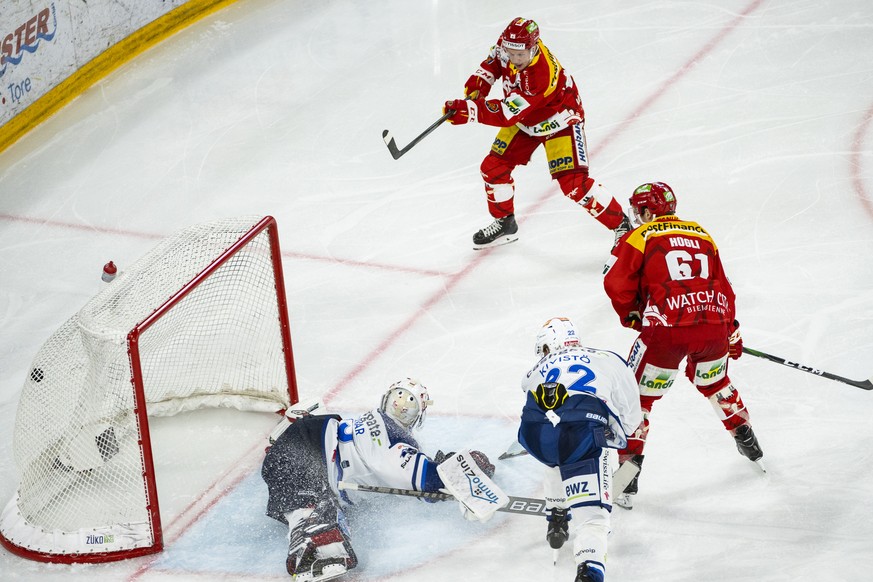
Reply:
x=319 y=545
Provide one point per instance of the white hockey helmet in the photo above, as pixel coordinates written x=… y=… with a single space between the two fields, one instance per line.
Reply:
x=556 y=334
x=406 y=401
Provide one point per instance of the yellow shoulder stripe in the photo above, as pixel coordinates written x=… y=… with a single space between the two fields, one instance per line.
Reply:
x=554 y=67
x=638 y=237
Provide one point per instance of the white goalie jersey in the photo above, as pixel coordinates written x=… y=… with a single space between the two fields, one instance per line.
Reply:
x=594 y=373
x=372 y=449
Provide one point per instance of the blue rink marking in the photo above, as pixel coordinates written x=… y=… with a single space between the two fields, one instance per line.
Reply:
x=236 y=537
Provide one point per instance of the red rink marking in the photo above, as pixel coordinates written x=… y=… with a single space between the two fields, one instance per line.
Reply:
x=856 y=163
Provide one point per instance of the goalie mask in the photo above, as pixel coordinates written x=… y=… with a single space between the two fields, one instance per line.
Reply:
x=658 y=197
x=557 y=334
x=406 y=402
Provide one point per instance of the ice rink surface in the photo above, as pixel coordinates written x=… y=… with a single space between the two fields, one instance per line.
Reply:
x=759 y=114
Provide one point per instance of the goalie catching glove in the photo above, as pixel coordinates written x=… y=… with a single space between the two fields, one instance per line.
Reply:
x=467 y=477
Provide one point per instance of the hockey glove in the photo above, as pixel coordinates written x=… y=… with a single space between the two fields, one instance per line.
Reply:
x=632 y=320
x=476 y=87
x=464 y=111
x=735 y=342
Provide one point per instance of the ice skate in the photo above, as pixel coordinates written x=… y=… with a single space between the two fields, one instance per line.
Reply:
x=500 y=232
x=622 y=229
x=319 y=549
x=585 y=573
x=324 y=556
x=558 y=531
x=625 y=500
x=747 y=444
x=301 y=552
x=320 y=570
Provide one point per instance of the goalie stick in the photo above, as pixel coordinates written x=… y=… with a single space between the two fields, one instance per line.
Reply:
x=392 y=145
x=520 y=505
x=862 y=384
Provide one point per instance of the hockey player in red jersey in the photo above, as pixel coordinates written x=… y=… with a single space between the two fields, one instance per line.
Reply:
x=541 y=105
x=665 y=278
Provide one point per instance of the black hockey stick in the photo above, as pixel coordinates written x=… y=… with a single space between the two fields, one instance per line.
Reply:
x=863 y=384
x=521 y=505
x=392 y=145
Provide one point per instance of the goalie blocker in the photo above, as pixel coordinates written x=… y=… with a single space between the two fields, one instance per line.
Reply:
x=471 y=486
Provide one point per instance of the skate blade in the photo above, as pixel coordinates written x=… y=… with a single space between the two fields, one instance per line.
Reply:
x=555 y=554
x=327 y=572
x=760 y=463
x=624 y=501
x=496 y=243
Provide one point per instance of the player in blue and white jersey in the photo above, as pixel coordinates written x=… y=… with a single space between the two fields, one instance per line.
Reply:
x=316 y=451
x=581 y=402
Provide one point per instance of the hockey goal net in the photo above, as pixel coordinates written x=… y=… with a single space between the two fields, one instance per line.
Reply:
x=199 y=321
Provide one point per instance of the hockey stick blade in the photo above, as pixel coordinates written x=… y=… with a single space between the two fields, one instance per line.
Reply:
x=862 y=384
x=623 y=476
x=392 y=145
x=518 y=505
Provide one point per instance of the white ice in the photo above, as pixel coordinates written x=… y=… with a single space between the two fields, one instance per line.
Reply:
x=759 y=113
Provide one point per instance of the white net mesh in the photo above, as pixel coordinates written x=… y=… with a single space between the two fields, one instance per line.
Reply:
x=76 y=437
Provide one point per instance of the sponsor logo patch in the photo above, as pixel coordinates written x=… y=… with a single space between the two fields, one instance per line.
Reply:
x=656 y=380
x=559 y=152
x=26 y=38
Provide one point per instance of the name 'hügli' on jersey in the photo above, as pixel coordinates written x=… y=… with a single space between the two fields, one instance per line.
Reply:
x=669 y=271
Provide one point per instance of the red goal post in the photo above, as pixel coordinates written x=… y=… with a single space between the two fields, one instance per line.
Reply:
x=199 y=321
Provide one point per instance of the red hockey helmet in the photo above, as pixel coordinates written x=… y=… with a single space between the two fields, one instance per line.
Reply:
x=658 y=197
x=521 y=34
